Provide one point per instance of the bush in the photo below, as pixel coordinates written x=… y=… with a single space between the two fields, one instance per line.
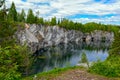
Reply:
x=110 y=67
x=12 y=60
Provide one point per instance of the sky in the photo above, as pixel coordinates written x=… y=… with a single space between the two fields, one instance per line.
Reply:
x=101 y=11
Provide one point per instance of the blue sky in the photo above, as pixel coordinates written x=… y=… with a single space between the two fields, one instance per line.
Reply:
x=104 y=11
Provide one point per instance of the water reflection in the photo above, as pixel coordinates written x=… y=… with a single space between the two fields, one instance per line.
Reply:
x=64 y=55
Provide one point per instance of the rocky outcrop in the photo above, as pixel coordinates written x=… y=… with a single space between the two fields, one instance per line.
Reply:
x=38 y=36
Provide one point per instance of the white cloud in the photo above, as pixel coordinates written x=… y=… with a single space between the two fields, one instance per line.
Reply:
x=63 y=8
x=106 y=20
x=38 y=1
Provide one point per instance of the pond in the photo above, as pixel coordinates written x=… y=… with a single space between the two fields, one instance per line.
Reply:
x=64 y=55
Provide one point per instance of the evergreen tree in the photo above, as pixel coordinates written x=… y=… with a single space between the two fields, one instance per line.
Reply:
x=71 y=25
x=84 y=59
x=21 y=16
x=37 y=17
x=41 y=21
x=47 y=22
x=18 y=17
x=53 y=21
x=30 y=17
x=58 y=22
x=64 y=23
x=1 y=16
x=12 y=14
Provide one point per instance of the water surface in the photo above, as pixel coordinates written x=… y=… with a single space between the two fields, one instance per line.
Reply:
x=64 y=55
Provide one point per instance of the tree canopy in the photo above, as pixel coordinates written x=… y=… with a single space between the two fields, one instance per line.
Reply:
x=30 y=17
x=21 y=16
x=12 y=13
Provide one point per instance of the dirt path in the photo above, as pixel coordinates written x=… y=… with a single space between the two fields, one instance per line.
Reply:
x=72 y=74
x=80 y=75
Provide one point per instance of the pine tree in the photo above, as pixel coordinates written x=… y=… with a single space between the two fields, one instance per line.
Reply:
x=12 y=14
x=21 y=16
x=2 y=16
x=37 y=17
x=53 y=21
x=30 y=17
x=41 y=21
x=84 y=59
x=58 y=22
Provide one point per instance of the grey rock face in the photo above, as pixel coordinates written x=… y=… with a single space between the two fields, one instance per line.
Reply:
x=38 y=36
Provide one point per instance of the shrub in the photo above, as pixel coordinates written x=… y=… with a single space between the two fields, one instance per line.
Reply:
x=12 y=60
x=110 y=67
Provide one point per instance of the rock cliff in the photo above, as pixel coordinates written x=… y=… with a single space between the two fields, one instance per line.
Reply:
x=39 y=36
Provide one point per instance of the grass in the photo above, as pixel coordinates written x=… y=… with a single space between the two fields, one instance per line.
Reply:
x=51 y=74
x=109 y=68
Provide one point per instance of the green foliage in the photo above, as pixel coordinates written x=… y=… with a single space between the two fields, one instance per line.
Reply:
x=8 y=65
x=52 y=73
x=53 y=21
x=30 y=17
x=11 y=74
x=7 y=28
x=12 y=60
x=47 y=22
x=21 y=16
x=115 y=48
x=64 y=23
x=7 y=42
x=37 y=19
x=84 y=58
x=12 y=14
x=40 y=21
x=2 y=15
x=88 y=27
x=111 y=66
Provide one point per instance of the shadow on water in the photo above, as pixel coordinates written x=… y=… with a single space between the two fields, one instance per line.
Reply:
x=64 y=55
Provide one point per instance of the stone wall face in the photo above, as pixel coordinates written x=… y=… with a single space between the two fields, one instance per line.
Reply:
x=38 y=36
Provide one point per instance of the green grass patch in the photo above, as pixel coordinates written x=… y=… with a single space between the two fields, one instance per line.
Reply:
x=52 y=73
x=110 y=67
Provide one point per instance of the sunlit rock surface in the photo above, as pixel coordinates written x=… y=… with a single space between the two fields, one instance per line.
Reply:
x=39 y=36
